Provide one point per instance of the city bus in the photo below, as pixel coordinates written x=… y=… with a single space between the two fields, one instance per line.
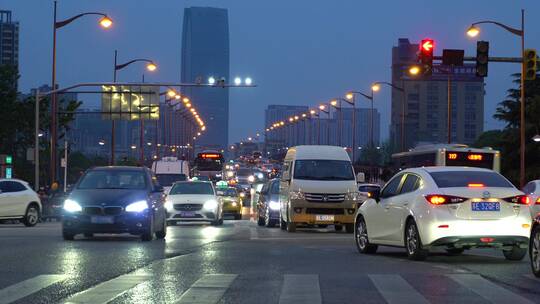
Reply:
x=447 y=155
x=209 y=163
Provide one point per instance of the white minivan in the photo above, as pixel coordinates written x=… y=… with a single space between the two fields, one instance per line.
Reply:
x=318 y=187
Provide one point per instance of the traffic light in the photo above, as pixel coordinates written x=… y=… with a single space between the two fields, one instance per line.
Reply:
x=426 y=55
x=482 y=58
x=529 y=60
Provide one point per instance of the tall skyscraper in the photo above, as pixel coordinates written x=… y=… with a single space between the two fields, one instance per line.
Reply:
x=426 y=101
x=9 y=39
x=205 y=54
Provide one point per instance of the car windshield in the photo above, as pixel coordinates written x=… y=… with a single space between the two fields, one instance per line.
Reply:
x=323 y=170
x=244 y=172
x=169 y=179
x=451 y=179
x=231 y=192
x=113 y=179
x=192 y=188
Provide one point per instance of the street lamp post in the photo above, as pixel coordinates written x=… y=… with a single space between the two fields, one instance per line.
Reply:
x=151 y=66
x=403 y=100
x=322 y=108
x=105 y=22
x=370 y=98
x=350 y=98
x=473 y=31
x=336 y=103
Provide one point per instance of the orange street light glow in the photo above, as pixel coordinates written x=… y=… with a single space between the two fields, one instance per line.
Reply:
x=151 y=66
x=105 y=22
x=473 y=31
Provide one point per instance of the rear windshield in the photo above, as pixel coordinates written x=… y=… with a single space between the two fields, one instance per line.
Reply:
x=450 y=179
x=192 y=188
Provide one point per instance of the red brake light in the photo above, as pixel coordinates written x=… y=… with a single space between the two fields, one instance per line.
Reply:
x=520 y=199
x=538 y=201
x=436 y=199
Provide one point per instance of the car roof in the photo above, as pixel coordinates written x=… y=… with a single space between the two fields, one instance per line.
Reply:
x=449 y=168
x=119 y=168
x=317 y=152
x=13 y=180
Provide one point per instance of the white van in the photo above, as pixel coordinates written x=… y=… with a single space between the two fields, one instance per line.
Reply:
x=318 y=187
x=169 y=170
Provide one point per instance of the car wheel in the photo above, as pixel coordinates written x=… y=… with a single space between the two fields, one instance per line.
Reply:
x=454 y=251
x=163 y=232
x=338 y=227
x=88 y=235
x=267 y=221
x=220 y=222
x=534 y=251
x=515 y=254
x=68 y=235
x=361 y=238
x=291 y=227
x=413 y=243
x=148 y=233
x=31 y=217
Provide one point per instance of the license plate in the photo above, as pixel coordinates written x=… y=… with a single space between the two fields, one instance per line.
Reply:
x=187 y=214
x=102 y=220
x=486 y=206
x=324 y=218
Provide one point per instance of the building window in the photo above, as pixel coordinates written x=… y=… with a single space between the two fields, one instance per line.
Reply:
x=413 y=96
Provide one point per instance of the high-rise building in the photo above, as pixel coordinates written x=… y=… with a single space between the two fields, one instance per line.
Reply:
x=9 y=39
x=205 y=54
x=425 y=104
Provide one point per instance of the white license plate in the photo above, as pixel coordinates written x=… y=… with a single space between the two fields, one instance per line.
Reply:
x=324 y=218
x=187 y=214
x=102 y=220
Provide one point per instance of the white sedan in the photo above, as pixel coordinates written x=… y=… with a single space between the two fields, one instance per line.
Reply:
x=532 y=189
x=19 y=202
x=455 y=208
x=194 y=201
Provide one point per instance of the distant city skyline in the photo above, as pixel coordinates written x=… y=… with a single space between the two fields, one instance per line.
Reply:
x=298 y=60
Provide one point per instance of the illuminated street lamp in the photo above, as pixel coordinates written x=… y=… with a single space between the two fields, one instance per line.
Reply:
x=211 y=80
x=403 y=100
x=414 y=70
x=536 y=138
x=248 y=81
x=101 y=142
x=171 y=93
x=237 y=81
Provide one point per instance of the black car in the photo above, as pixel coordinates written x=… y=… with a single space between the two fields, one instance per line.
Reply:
x=115 y=200
x=268 y=205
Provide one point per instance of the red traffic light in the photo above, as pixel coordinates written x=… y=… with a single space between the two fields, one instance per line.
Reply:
x=427 y=46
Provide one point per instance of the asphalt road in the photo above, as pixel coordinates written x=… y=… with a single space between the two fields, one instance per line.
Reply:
x=243 y=263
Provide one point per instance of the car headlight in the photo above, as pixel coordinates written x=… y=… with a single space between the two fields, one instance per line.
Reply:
x=137 y=206
x=210 y=205
x=352 y=196
x=234 y=204
x=230 y=174
x=296 y=195
x=260 y=175
x=251 y=178
x=168 y=205
x=72 y=206
x=242 y=195
x=274 y=205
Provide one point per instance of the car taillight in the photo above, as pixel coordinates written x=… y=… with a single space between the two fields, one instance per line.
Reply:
x=438 y=199
x=519 y=199
x=538 y=201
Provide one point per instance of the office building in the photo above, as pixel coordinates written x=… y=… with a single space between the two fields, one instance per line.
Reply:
x=426 y=101
x=9 y=39
x=205 y=54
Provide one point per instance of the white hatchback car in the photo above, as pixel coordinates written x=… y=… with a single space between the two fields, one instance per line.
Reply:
x=194 y=202
x=19 y=202
x=455 y=208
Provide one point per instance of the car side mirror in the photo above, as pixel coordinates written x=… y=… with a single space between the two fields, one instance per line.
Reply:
x=375 y=194
x=158 y=188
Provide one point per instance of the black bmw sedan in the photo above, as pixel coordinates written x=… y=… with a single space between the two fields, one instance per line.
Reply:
x=115 y=200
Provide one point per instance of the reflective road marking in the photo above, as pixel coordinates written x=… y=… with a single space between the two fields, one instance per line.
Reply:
x=207 y=290
x=300 y=289
x=108 y=290
x=395 y=289
x=28 y=287
x=487 y=289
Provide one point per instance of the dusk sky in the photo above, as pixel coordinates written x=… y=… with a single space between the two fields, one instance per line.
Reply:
x=299 y=52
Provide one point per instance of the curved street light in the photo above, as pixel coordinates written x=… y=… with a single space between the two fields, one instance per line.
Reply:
x=106 y=22
x=474 y=31
x=403 y=100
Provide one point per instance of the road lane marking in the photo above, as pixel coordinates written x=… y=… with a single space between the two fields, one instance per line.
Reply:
x=395 y=289
x=207 y=290
x=254 y=234
x=488 y=290
x=107 y=291
x=25 y=288
x=300 y=289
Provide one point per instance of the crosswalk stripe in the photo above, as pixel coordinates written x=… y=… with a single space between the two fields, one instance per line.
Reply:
x=106 y=291
x=25 y=288
x=395 y=289
x=487 y=289
x=253 y=233
x=300 y=289
x=207 y=290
